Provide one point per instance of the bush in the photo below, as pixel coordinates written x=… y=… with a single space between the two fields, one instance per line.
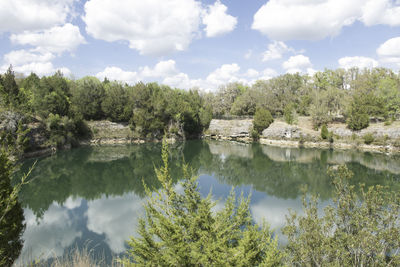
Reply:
x=358 y=230
x=66 y=131
x=324 y=132
x=180 y=229
x=368 y=138
x=289 y=114
x=254 y=134
x=358 y=121
x=262 y=120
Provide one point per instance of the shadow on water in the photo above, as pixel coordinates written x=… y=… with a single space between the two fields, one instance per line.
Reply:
x=96 y=193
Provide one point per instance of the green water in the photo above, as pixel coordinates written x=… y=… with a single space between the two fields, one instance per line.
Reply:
x=92 y=196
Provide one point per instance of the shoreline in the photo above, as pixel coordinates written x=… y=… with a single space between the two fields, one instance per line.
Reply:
x=389 y=150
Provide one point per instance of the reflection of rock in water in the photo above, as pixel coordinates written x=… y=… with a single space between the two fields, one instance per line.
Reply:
x=379 y=162
x=109 y=153
x=374 y=161
x=230 y=149
x=291 y=154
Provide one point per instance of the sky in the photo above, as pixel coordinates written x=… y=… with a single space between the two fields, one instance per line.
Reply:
x=203 y=44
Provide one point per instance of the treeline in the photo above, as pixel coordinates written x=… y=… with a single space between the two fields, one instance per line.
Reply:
x=353 y=95
x=63 y=104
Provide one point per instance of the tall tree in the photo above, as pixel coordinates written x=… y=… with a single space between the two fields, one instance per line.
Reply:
x=10 y=88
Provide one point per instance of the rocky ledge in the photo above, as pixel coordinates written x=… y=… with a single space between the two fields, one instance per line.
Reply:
x=238 y=129
x=279 y=133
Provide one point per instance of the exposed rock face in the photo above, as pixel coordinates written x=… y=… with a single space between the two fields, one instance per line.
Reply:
x=390 y=132
x=230 y=128
x=377 y=130
x=281 y=130
x=37 y=135
x=341 y=131
x=9 y=121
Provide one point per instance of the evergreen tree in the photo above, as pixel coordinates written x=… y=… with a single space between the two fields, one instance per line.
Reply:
x=358 y=230
x=324 y=132
x=10 y=88
x=262 y=120
x=180 y=229
x=11 y=215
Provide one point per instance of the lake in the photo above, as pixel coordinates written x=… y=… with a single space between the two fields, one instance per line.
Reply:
x=91 y=197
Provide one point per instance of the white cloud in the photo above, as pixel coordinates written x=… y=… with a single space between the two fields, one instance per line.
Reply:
x=167 y=73
x=318 y=19
x=381 y=12
x=22 y=15
x=276 y=50
x=389 y=51
x=27 y=61
x=390 y=48
x=305 y=19
x=22 y=57
x=296 y=64
x=227 y=73
x=55 y=40
x=217 y=21
x=359 y=62
x=153 y=27
x=115 y=73
x=182 y=80
x=252 y=73
x=161 y=69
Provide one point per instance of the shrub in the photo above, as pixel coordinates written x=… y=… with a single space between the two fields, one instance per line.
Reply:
x=254 y=134
x=289 y=114
x=180 y=229
x=358 y=230
x=368 y=138
x=324 y=132
x=262 y=120
x=357 y=117
x=358 y=121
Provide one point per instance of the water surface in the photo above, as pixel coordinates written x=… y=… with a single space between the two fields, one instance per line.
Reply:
x=92 y=196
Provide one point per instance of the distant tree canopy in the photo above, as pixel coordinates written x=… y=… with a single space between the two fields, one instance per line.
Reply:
x=151 y=109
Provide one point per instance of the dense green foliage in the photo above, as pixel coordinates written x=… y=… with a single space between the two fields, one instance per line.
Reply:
x=368 y=138
x=354 y=95
x=324 y=132
x=180 y=229
x=11 y=215
x=62 y=104
x=358 y=230
x=289 y=113
x=262 y=120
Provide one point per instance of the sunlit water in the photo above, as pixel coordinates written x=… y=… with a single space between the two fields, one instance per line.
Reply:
x=91 y=197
